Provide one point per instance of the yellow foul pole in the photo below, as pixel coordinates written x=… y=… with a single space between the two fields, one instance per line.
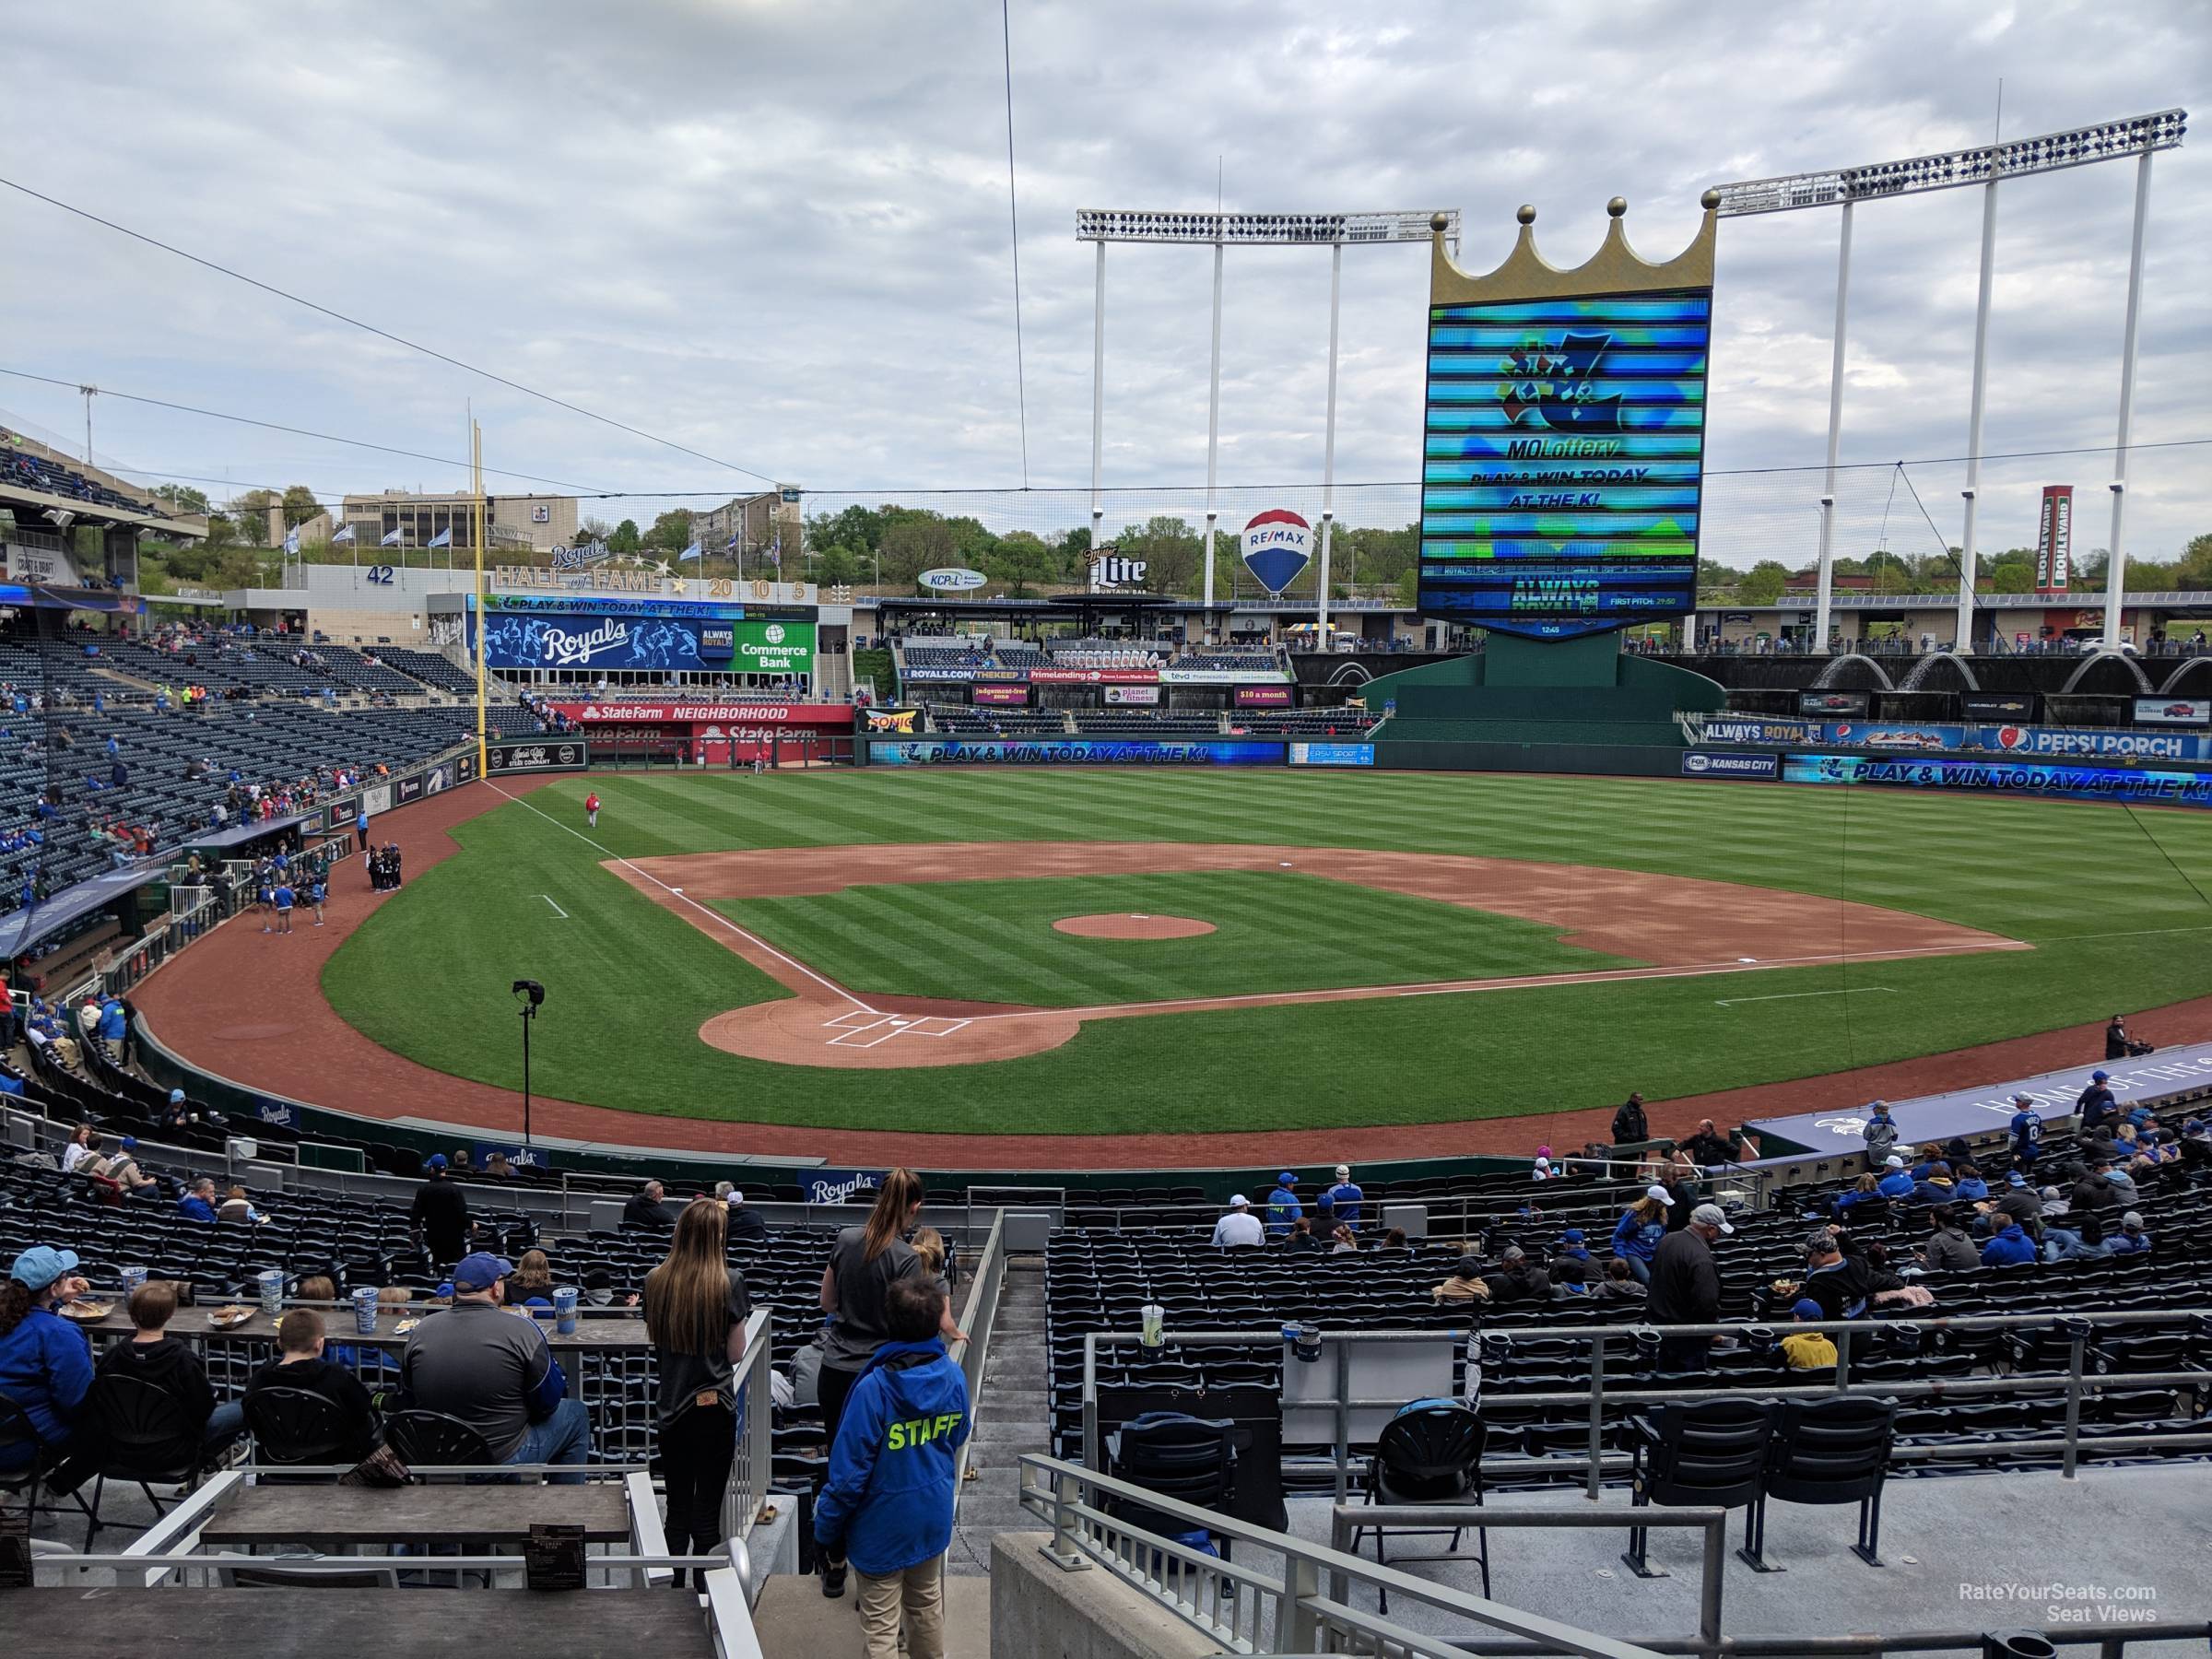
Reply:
x=475 y=457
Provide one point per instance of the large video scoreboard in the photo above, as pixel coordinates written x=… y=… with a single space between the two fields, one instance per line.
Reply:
x=1562 y=461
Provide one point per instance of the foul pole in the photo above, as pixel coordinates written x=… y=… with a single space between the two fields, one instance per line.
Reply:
x=475 y=464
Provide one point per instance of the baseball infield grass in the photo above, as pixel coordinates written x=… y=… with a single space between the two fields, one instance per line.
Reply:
x=2110 y=897
x=993 y=941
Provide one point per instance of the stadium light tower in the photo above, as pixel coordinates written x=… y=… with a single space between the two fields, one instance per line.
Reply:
x=1331 y=230
x=2140 y=136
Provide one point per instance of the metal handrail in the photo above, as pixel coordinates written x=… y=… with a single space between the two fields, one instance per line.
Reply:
x=977 y=1317
x=752 y=1470
x=1303 y=1609
x=2075 y=1380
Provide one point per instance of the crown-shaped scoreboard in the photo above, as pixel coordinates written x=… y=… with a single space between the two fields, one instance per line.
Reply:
x=1563 y=449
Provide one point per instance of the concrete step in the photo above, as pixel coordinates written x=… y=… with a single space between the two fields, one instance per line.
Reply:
x=792 y=1617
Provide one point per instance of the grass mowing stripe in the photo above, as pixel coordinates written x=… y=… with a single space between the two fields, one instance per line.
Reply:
x=414 y=976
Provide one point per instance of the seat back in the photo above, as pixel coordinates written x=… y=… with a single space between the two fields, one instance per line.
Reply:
x=431 y=1438
x=297 y=1426
x=1430 y=1455
x=1187 y=1458
x=1829 y=1451
x=141 y=1428
x=1710 y=1452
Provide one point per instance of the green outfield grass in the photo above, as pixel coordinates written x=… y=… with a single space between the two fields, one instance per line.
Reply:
x=993 y=941
x=2109 y=896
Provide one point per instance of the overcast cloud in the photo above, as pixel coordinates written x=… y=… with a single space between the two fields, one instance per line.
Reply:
x=778 y=233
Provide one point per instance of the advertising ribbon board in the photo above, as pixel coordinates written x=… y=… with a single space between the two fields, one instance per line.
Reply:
x=1133 y=695
x=1006 y=697
x=548 y=754
x=2173 y=711
x=1854 y=703
x=1262 y=697
x=2112 y=742
x=1998 y=705
x=1074 y=751
x=2006 y=777
x=1734 y=728
x=1094 y=677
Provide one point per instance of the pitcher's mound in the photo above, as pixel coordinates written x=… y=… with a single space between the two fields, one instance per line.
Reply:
x=1133 y=926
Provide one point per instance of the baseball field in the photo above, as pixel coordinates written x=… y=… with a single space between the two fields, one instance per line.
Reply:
x=1134 y=952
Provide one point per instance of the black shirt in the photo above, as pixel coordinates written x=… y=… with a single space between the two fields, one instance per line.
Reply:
x=642 y=1211
x=746 y=1224
x=1628 y=1123
x=335 y=1383
x=441 y=1209
x=684 y=1377
x=1685 y=1285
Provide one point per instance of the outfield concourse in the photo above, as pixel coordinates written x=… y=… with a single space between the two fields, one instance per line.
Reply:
x=2111 y=898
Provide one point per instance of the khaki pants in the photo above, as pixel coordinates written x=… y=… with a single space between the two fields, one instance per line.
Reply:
x=918 y=1592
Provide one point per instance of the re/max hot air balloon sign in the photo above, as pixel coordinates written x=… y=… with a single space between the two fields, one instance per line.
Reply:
x=1278 y=546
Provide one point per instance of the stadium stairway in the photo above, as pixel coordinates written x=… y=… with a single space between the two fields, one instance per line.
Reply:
x=1011 y=1418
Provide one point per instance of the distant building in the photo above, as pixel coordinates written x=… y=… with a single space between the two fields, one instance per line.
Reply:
x=516 y=522
x=755 y=521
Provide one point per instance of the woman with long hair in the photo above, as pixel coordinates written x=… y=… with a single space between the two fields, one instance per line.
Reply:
x=1636 y=1234
x=533 y=1276
x=695 y=1315
x=864 y=1264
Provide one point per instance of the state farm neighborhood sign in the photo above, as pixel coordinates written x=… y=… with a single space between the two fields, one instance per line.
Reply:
x=633 y=713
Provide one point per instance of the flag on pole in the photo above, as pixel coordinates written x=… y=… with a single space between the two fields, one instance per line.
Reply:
x=342 y=537
x=291 y=541
x=391 y=539
x=732 y=549
x=693 y=552
x=775 y=551
x=445 y=538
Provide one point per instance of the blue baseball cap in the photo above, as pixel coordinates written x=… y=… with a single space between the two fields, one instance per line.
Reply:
x=2016 y=1179
x=1573 y=1235
x=40 y=1265
x=130 y=1143
x=1805 y=1308
x=1286 y=1179
x=2098 y=1076
x=176 y=1096
x=435 y=1161
x=481 y=1271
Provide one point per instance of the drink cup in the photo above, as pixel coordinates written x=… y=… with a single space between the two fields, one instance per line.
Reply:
x=564 y=1310
x=1307 y=1344
x=271 y=1281
x=1155 y=1325
x=132 y=1279
x=364 y=1311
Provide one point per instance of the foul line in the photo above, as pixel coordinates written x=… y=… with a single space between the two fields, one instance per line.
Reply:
x=1729 y=1002
x=557 y=909
x=751 y=938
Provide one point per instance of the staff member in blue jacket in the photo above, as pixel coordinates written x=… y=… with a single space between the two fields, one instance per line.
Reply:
x=887 y=1506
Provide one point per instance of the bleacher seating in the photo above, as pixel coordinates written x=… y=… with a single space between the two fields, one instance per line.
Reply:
x=1122 y=1250
x=23 y=470
x=428 y=668
x=1304 y=722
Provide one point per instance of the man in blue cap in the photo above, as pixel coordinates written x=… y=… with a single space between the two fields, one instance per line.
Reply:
x=495 y=1372
x=1283 y=1206
x=2096 y=1105
x=45 y=1367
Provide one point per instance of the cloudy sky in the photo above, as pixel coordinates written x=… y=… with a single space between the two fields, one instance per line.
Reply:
x=777 y=233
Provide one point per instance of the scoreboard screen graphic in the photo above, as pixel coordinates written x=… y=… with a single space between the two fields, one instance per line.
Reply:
x=1563 y=461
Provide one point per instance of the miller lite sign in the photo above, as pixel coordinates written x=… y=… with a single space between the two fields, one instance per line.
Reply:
x=2055 y=539
x=1110 y=570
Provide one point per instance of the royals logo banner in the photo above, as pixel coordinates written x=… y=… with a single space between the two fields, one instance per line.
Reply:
x=1278 y=544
